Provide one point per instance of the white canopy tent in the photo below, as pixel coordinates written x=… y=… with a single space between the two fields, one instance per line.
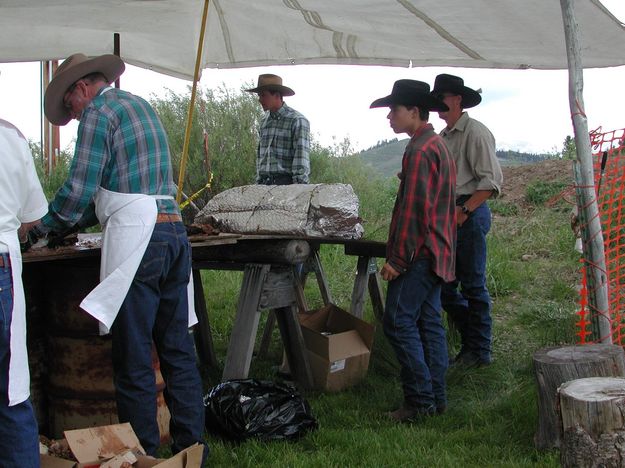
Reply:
x=163 y=35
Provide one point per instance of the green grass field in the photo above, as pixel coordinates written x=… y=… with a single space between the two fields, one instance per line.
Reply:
x=492 y=414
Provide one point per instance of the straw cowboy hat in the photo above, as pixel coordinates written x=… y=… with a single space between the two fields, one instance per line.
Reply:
x=69 y=72
x=411 y=93
x=445 y=83
x=272 y=83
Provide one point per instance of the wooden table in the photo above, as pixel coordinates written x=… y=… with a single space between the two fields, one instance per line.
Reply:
x=269 y=282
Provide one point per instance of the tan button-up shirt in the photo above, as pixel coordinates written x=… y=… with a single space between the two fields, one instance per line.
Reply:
x=472 y=146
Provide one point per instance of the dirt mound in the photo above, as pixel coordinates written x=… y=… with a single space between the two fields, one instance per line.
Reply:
x=516 y=179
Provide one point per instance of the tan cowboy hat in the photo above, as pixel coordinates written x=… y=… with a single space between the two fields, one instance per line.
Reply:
x=271 y=83
x=69 y=72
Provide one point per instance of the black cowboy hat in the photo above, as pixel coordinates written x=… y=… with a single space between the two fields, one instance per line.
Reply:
x=445 y=83
x=411 y=93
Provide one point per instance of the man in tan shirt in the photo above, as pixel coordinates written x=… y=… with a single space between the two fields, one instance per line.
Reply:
x=479 y=178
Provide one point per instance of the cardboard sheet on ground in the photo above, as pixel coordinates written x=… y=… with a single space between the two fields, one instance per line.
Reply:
x=110 y=446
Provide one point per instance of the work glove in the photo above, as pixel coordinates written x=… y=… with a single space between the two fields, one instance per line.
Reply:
x=32 y=237
x=56 y=239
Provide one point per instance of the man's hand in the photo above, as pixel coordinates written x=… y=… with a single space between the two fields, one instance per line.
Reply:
x=388 y=272
x=58 y=239
x=29 y=240
x=460 y=216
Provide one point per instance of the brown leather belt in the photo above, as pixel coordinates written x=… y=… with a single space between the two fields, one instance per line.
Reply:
x=2 y=262
x=168 y=218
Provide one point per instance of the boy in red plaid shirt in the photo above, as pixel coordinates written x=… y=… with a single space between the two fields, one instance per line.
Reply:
x=420 y=252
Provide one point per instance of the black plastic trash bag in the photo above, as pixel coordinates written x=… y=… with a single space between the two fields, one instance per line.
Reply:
x=242 y=409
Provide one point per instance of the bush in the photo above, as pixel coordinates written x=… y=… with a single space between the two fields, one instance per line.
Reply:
x=538 y=192
x=375 y=193
x=51 y=181
x=503 y=208
x=223 y=138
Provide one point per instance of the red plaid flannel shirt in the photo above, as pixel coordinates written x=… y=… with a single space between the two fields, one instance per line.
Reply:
x=424 y=217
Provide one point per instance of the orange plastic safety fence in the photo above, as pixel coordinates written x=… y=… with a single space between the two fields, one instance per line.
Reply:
x=609 y=170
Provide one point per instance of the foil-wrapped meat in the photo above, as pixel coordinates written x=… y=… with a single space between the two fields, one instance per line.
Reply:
x=309 y=210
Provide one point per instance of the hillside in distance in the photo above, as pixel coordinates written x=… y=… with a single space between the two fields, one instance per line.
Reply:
x=385 y=157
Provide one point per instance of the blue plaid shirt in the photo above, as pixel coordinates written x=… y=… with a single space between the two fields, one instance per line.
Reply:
x=284 y=146
x=121 y=146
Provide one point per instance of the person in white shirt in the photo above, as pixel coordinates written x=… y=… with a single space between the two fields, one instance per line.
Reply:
x=22 y=202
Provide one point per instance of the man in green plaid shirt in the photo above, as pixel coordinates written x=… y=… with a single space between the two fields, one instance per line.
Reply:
x=121 y=176
x=282 y=156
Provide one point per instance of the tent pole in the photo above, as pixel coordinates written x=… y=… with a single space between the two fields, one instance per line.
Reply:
x=594 y=254
x=116 y=51
x=187 y=132
x=50 y=147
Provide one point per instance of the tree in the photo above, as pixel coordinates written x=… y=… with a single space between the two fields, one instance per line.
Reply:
x=569 y=151
x=229 y=121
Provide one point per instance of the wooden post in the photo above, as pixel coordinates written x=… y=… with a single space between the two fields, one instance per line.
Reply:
x=593 y=421
x=592 y=234
x=556 y=365
x=50 y=147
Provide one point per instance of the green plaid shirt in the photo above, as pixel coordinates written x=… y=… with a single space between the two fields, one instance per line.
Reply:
x=284 y=146
x=121 y=146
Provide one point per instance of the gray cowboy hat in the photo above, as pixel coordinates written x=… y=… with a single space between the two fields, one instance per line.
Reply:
x=271 y=82
x=445 y=83
x=69 y=72
x=411 y=93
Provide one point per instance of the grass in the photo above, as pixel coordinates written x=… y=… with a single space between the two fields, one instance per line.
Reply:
x=492 y=414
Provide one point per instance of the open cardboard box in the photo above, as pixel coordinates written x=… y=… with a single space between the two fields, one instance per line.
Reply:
x=110 y=446
x=339 y=346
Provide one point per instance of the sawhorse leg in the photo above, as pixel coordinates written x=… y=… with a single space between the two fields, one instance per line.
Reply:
x=245 y=326
x=203 y=337
x=367 y=275
x=313 y=263
x=294 y=345
x=298 y=284
x=264 y=288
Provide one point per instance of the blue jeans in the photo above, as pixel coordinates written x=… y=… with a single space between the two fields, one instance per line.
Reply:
x=413 y=326
x=156 y=310
x=470 y=308
x=19 y=439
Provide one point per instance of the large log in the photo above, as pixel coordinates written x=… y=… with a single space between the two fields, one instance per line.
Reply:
x=555 y=365
x=593 y=422
x=284 y=251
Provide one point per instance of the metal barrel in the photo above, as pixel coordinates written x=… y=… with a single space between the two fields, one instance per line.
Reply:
x=79 y=386
x=36 y=343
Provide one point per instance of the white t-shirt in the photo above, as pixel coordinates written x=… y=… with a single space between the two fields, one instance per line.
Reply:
x=21 y=201
x=21 y=197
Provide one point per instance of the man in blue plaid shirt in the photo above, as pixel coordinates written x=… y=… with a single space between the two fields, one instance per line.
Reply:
x=282 y=156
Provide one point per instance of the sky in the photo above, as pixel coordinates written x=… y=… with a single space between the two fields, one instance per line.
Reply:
x=526 y=110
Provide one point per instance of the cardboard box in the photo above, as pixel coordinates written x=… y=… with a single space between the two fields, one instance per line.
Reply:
x=110 y=446
x=48 y=461
x=339 y=346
